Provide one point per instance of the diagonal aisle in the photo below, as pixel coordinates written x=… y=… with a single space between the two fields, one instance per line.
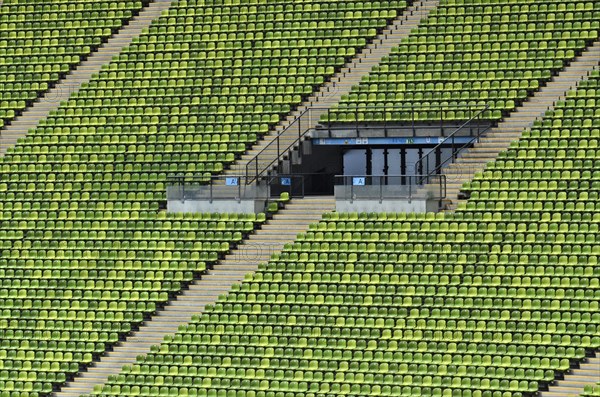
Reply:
x=575 y=382
x=499 y=138
x=257 y=249
x=51 y=100
x=340 y=84
x=44 y=40
x=497 y=299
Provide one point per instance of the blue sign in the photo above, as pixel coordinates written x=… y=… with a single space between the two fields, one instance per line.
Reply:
x=286 y=181
x=358 y=181
x=232 y=181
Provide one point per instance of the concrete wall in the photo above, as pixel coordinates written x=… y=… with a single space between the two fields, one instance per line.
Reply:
x=246 y=206
x=398 y=205
x=225 y=199
x=394 y=198
x=385 y=192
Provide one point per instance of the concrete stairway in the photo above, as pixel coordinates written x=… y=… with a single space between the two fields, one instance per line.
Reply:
x=499 y=138
x=283 y=228
x=588 y=373
x=40 y=109
x=340 y=84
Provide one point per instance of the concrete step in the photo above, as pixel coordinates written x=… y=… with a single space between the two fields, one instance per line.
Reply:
x=575 y=381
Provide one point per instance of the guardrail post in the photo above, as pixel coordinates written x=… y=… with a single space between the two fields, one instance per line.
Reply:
x=256 y=166
x=471 y=115
x=453 y=153
x=269 y=183
x=412 y=116
x=442 y=122
x=385 y=132
x=444 y=187
x=182 y=184
x=478 y=128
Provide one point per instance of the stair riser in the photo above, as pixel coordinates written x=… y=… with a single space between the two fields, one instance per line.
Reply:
x=575 y=381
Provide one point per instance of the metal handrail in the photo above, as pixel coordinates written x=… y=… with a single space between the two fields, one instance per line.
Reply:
x=425 y=157
x=252 y=170
x=276 y=142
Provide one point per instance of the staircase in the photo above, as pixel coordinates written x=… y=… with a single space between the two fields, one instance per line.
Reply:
x=51 y=100
x=258 y=248
x=499 y=138
x=340 y=84
x=588 y=373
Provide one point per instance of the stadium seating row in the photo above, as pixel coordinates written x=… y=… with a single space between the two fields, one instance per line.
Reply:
x=465 y=56
x=70 y=288
x=494 y=310
x=188 y=96
x=591 y=391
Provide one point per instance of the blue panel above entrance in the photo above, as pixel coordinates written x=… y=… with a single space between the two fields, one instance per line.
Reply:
x=421 y=140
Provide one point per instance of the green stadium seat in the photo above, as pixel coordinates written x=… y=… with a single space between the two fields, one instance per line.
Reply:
x=87 y=253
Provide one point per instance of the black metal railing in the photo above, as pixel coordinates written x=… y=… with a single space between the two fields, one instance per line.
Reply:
x=293 y=184
x=281 y=145
x=428 y=164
